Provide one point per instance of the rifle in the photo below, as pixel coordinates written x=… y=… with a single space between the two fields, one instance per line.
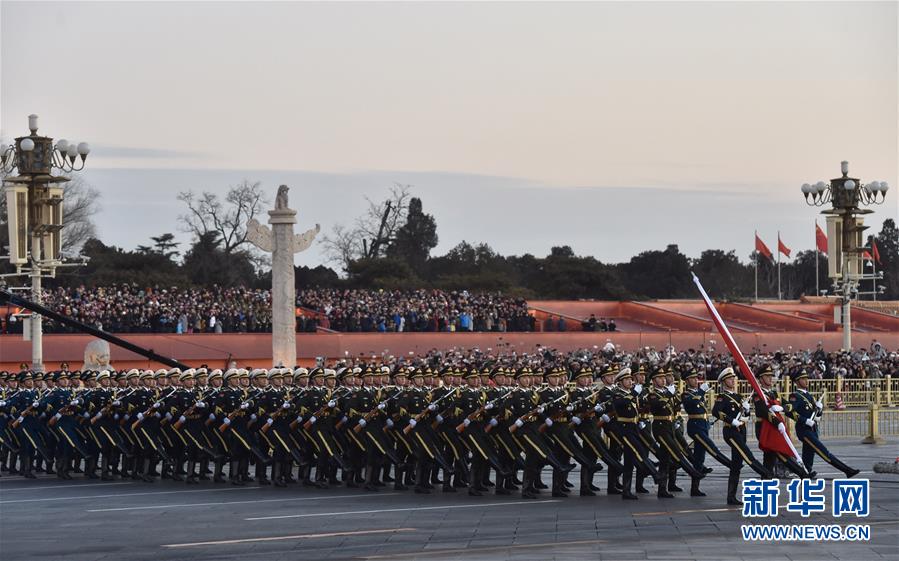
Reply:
x=539 y=409
x=308 y=424
x=150 y=409
x=578 y=403
x=475 y=414
x=64 y=410
x=370 y=415
x=108 y=407
x=408 y=428
x=22 y=415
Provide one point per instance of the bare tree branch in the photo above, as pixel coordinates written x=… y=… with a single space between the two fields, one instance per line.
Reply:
x=207 y=213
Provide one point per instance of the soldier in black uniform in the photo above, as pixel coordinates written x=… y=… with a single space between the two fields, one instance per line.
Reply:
x=731 y=409
x=694 y=403
x=610 y=427
x=624 y=405
x=768 y=413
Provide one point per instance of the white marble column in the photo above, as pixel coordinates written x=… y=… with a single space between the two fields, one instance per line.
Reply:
x=284 y=335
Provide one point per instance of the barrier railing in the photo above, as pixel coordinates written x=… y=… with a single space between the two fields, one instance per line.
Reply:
x=839 y=392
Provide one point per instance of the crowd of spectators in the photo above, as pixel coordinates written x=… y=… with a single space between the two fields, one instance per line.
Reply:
x=129 y=308
x=863 y=363
x=416 y=310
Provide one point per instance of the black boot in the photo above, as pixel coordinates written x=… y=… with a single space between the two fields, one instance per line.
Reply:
x=663 y=492
x=234 y=473
x=217 y=473
x=105 y=474
x=849 y=471
x=733 y=481
x=695 y=491
x=638 y=486
x=672 y=481
x=191 y=478
x=626 y=493
x=398 y=484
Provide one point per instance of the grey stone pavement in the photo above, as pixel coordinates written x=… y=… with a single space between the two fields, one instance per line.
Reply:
x=91 y=521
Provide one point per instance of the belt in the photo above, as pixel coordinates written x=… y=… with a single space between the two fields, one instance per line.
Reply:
x=645 y=417
x=703 y=416
x=661 y=418
x=626 y=420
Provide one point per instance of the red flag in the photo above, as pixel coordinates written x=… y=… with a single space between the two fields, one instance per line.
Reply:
x=820 y=238
x=769 y=440
x=867 y=256
x=874 y=250
x=762 y=248
x=781 y=247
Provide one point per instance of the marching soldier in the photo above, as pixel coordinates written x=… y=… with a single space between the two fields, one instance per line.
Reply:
x=694 y=403
x=626 y=412
x=731 y=409
x=770 y=413
x=807 y=411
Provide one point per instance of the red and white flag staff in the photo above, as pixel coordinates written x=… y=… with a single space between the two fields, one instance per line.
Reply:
x=770 y=439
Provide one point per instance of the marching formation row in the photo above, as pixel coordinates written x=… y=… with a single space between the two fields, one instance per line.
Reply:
x=446 y=427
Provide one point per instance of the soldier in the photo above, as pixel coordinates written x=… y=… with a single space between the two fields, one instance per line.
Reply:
x=624 y=406
x=610 y=426
x=770 y=413
x=644 y=425
x=731 y=408
x=694 y=403
x=23 y=407
x=806 y=411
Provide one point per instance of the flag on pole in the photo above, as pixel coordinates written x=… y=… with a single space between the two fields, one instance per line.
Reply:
x=775 y=439
x=781 y=247
x=874 y=251
x=820 y=238
x=867 y=256
x=762 y=248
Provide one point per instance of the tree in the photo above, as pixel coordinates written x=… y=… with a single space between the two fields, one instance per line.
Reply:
x=227 y=219
x=416 y=238
x=888 y=248
x=660 y=274
x=165 y=244
x=206 y=263
x=372 y=233
x=722 y=274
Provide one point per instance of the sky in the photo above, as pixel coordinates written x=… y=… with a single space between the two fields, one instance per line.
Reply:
x=612 y=127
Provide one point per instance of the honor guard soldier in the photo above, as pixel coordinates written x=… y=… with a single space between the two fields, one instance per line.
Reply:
x=694 y=403
x=807 y=411
x=626 y=412
x=769 y=413
x=731 y=409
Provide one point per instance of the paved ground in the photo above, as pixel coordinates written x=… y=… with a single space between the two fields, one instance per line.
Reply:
x=90 y=521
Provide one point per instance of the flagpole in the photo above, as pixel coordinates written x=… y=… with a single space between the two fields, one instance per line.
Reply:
x=874 y=264
x=756 y=269
x=779 y=294
x=817 y=276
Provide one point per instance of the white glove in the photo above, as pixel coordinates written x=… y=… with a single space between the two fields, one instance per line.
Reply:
x=157 y=405
x=127 y=416
x=36 y=404
x=737 y=422
x=638 y=388
x=269 y=421
x=140 y=416
x=285 y=405
x=86 y=415
x=549 y=422
x=672 y=389
x=439 y=419
x=168 y=416
x=382 y=406
x=746 y=405
x=157 y=415
x=75 y=402
x=493 y=422
x=344 y=419
x=488 y=407
x=810 y=422
x=313 y=418
x=412 y=423
x=598 y=408
x=116 y=417
x=389 y=423
x=576 y=420
x=245 y=405
x=58 y=416
x=227 y=421
x=362 y=423
x=182 y=419
x=642 y=424
x=704 y=386
x=605 y=418
x=332 y=404
x=570 y=408
x=781 y=428
x=212 y=416
x=432 y=407
x=819 y=404
x=201 y=404
x=519 y=423
x=776 y=409
x=20 y=419
x=2 y=403
x=466 y=422
x=299 y=419
x=116 y=403
x=99 y=415
x=253 y=417
x=540 y=409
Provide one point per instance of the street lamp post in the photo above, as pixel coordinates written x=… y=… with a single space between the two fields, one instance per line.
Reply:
x=34 y=203
x=846 y=195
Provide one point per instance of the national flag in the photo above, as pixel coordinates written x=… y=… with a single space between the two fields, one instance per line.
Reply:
x=774 y=438
x=820 y=239
x=762 y=248
x=874 y=250
x=867 y=256
x=781 y=247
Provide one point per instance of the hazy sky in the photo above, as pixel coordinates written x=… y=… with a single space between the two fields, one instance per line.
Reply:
x=613 y=127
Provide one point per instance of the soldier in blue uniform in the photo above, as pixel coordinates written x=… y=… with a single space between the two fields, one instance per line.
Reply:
x=807 y=411
x=767 y=413
x=694 y=403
